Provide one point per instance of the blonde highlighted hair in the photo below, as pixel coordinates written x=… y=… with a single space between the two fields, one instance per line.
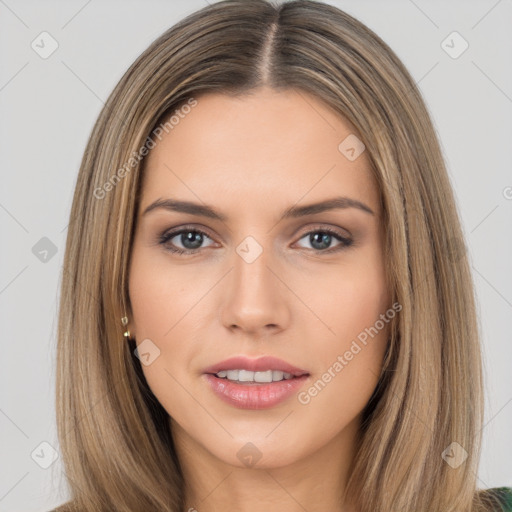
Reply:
x=114 y=436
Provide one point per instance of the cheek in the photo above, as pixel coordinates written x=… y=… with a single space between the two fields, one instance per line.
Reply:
x=160 y=295
x=351 y=303
x=356 y=302
x=167 y=307
x=349 y=297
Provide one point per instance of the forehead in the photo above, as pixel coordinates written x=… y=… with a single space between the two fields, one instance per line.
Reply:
x=256 y=146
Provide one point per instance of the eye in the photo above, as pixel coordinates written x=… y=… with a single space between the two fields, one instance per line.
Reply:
x=190 y=238
x=321 y=239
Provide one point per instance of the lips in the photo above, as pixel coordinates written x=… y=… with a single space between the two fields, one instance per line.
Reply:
x=260 y=364
x=255 y=396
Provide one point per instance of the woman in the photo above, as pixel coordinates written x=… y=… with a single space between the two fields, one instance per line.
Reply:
x=264 y=213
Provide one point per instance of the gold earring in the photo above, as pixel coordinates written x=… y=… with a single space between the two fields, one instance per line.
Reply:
x=124 y=321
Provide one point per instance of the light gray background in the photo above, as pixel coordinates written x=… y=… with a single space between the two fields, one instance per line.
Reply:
x=47 y=110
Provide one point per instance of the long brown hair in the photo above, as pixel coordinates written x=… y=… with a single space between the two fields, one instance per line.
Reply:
x=114 y=436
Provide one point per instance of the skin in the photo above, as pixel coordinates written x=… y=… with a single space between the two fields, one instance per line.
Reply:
x=250 y=158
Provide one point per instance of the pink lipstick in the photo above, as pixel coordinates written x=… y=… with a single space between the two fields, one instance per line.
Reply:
x=254 y=383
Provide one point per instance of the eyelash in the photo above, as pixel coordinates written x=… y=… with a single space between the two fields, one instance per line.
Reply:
x=166 y=236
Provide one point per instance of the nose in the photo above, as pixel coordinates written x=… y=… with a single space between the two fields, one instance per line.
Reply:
x=254 y=298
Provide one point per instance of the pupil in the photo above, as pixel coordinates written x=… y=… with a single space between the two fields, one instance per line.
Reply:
x=325 y=239
x=189 y=236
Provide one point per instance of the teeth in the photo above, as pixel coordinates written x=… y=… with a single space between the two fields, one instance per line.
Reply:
x=277 y=375
x=233 y=374
x=245 y=376
x=248 y=376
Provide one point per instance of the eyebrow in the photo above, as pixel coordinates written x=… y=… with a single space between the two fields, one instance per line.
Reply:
x=290 y=213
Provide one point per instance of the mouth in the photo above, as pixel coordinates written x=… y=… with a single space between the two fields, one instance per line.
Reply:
x=254 y=383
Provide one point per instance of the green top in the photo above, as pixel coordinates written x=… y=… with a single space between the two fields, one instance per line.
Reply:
x=504 y=494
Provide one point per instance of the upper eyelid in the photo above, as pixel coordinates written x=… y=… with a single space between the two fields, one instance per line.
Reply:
x=171 y=233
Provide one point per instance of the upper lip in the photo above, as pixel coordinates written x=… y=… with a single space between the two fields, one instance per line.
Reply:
x=260 y=364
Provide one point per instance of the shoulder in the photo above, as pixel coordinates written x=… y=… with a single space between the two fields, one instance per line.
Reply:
x=503 y=495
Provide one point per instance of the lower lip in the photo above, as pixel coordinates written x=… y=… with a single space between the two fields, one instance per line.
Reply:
x=254 y=395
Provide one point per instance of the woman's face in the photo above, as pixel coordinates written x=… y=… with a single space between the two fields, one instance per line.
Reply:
x=267 y=274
